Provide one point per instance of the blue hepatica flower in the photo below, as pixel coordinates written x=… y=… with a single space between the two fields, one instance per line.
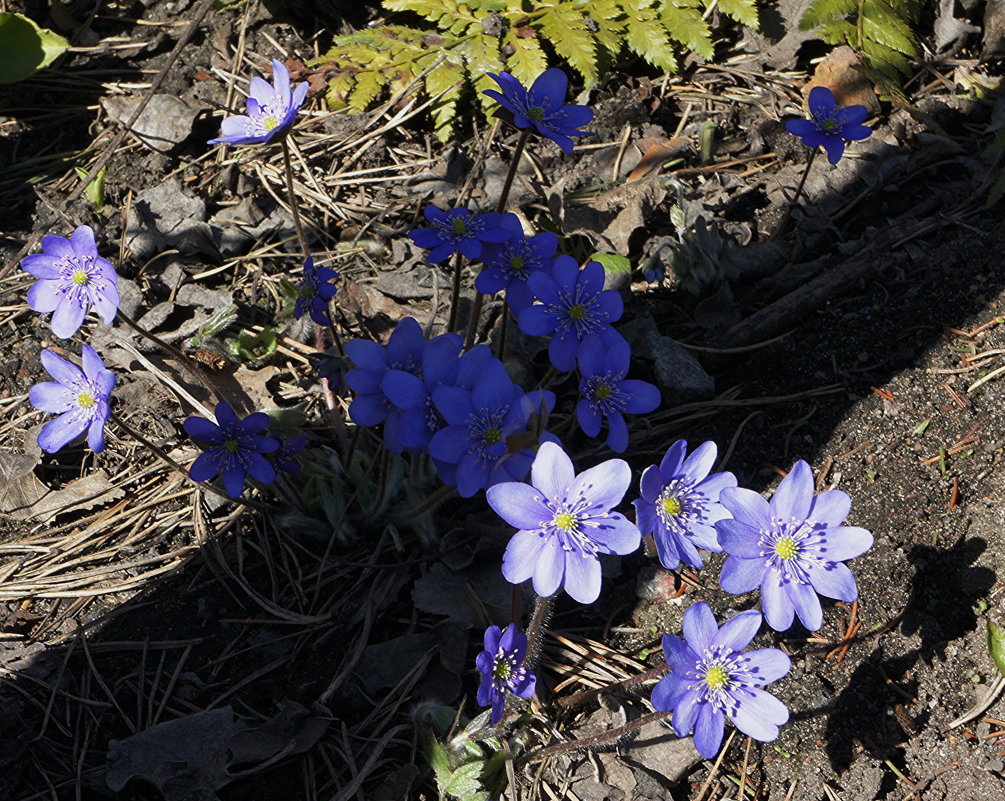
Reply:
x=458 y=230
x=72 y=279
x=286 y=458
x=271 y=110
x=542 y=106
x=371 y=406
x=509 y=264
x=793 y=547
x=710 y=680
x=480 y=421
x=828 y=125
x=315 y=292
x=565 y=522
x=680 y=504
x=605 y=393
x=502 y=669
x=574 y=305
x=235 y=448
x=78 y=396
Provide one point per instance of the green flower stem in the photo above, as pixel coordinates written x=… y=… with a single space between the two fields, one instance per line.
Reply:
x=598 y=739
x=795 y=198
x=184 y=360
x=476 y=310
x=455 y=292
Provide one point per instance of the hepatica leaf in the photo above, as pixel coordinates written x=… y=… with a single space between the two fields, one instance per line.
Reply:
x=996 y=646
x=26 y=47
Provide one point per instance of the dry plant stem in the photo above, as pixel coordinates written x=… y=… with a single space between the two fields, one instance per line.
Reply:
x=597 y=739
x=795 y=198
x=476 y=310
x=162 y=455
x=182 y=358
x=588 y=695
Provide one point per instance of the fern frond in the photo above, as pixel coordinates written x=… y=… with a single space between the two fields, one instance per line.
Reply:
x=527 y=60
x=686 y=26
x=743 y=11
x=647 y=37
x=565 y=27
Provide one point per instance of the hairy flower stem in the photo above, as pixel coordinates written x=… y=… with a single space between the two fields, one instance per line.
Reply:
x=795 y=198
x=184 y=360
x=455 y=292
x=442 y=495
x=476 y=310
x=588 y=695
x=543 y=607
x=598 y=739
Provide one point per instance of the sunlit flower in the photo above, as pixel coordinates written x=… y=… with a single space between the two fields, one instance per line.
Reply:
x=828 y=125
x=458 y=230
x=542 y=107
x=271 y=110
x=502 y=669
x=78 y=396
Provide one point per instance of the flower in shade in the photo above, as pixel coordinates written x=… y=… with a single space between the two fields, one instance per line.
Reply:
x=501 y=666
x=542 y=106
x=271 y=110
x=565 y=522
x=605 y=393
x=458 y=230
x=828 y=125
x=286 y=458
x=710 y=680
x=509 y=264
x=72 y=279
x=794 y=548
x=680 y=504
x=236 y=448
x=480 y=422
x=78 y=396
x=574 y=305
x=315 y=292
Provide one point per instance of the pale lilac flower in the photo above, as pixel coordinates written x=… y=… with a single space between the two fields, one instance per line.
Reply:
x=78 y=396
x=710 y=680
x=271 y=110
x=794 y=548
x=565 y=522
x=72 y=279
x=680 y=504
x=502 y=669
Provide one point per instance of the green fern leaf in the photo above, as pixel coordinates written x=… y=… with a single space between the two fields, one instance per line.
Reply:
x=744 y=11
x=878 y=56
x=837 y=31
x=446 y=78
x=687 y=27
x=366 y=90
x=565 y=28
x=481 y=56
x=880 y=24
x=527 y=60
x=433 y=10
x=337 y=93
x=821 y=12
x=646 y=37
x=609 y=20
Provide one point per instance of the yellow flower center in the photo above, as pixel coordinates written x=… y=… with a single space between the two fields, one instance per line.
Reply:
x=828 y=125
x=786 y=548
x=232 y=445
x=493 y=435
x=516 y=263
x=80 y=277
x=270 y=123
x=535 y=113
x=460 y=226
x=85 y=400
x=716 y=677
x=502 y=669
x=565 y=521
x=577 y=312
x=670 y=506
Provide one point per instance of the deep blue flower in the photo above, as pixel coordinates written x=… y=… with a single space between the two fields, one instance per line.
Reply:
x=710 y=680
x=78 y=396
x=565 y=521
x=315 y=292
x=542 y=106
x=371 y=406
x=502 y=669
x=508 y=265
x=236 y=448
x=271 y=110
x=793 y=547
x=72 y=279
x=828 y=125
x=680 y=504
x=480 y=421
x=458 y=230
x=604 y=391
x=285 y=459
x=574 y=305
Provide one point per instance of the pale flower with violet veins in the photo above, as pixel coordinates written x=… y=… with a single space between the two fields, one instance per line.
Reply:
x=502 y=669
x=794 y=548
x=79 y=395
x=565 y=523
x=72 y=279
x=271 y=110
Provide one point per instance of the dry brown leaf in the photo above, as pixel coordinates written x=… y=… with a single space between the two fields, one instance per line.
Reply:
x=654 y=153
x=24 y=497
